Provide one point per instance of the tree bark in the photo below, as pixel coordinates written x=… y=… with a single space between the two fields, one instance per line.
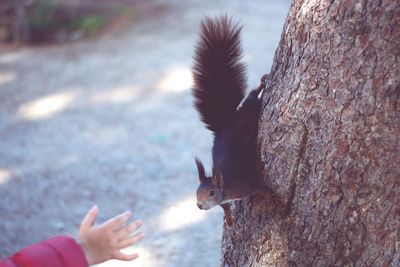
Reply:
x=328 y=143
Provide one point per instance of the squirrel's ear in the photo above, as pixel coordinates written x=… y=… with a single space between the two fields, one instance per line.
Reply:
x=218 y=181
x=200 y=169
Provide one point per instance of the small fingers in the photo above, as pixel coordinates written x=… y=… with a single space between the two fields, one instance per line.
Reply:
x=118 y=220
x=125 y=257
x=128 y=229
x=130 y=241
x=89 y=218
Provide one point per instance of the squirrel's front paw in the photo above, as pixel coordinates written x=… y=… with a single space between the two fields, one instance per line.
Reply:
x=264 y=79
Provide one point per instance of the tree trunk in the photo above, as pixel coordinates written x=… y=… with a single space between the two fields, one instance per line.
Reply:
x=328 y=143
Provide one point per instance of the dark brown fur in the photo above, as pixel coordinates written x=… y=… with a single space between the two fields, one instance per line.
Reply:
x=219 y=75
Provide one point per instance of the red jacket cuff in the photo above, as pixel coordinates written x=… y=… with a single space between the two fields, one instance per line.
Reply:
x=7 y=263
x=60 y=251
x=71 y=252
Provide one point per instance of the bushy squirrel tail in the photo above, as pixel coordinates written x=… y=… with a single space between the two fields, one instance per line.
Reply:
x=218 y=72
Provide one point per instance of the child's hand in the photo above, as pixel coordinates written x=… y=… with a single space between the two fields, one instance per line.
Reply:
x=103 y=242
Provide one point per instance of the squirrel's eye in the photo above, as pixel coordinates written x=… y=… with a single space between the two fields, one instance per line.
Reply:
x=211 y=193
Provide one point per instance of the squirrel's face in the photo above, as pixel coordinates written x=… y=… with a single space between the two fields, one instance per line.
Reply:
x=209 y=193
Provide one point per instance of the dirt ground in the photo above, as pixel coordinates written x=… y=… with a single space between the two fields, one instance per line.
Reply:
x=110 y=121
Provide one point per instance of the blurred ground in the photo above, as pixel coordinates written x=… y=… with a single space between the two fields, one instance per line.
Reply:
x=110 y=121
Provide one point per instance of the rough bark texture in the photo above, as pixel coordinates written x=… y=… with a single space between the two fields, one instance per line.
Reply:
x=328 y=143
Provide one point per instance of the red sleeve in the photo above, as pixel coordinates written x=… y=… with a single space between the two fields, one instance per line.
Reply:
x=60 y=251
x=7 y=263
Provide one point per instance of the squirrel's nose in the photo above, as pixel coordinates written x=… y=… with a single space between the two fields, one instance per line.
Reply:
x=199 y=205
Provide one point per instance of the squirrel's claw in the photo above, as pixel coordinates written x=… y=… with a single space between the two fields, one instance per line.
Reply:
x=263 y=83
x=264 y=79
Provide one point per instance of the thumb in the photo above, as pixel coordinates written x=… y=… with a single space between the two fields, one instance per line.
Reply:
x=89 y=219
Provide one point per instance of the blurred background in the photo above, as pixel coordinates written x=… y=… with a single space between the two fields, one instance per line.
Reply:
x=95 y=108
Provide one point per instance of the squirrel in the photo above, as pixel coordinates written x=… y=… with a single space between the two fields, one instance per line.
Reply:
x=219 y=86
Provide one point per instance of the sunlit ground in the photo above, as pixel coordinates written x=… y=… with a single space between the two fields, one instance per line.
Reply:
x=4 y=175
x=7 y=77
x=46 y=107
x=116 y=95
x=181 y=214
x=176 y=80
